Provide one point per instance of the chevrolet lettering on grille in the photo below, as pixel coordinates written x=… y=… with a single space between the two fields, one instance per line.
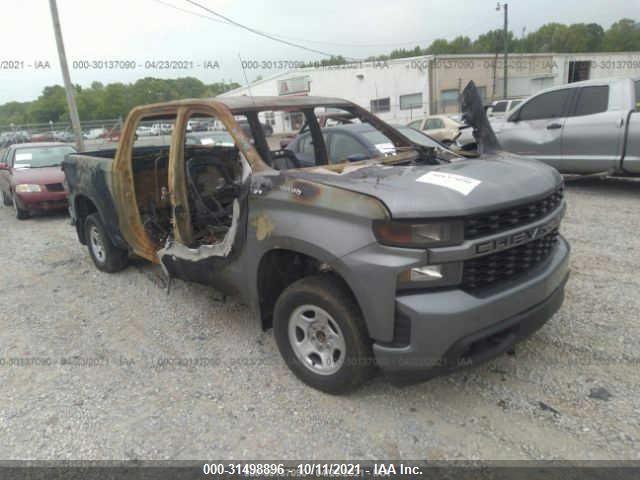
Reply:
x=519 y=238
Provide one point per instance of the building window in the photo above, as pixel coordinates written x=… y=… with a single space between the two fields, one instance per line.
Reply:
x=294 y=85
x=579 y=71
x=449 y=98
x=413 y=100
x=270 y=117
x=380 y=105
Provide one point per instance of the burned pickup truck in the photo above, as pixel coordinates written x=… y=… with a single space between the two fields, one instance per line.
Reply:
x=402 y=261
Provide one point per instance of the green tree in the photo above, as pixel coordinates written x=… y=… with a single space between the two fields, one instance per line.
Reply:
x=438 y=46
x=50 y=106
x=622 y=36
x=460 y=44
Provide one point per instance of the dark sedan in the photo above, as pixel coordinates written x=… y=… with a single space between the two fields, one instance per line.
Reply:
x=353 y=142
x=31 y=178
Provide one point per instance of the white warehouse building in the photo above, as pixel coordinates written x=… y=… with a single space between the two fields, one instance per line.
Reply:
x=404 y=89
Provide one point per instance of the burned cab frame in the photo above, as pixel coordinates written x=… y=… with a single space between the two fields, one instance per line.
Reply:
x=352 y=263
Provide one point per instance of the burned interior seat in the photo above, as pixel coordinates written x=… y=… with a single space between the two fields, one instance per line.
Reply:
x=211 y=176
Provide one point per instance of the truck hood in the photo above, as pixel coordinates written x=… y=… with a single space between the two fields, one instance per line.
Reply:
x=37 y=176
x=496 y=181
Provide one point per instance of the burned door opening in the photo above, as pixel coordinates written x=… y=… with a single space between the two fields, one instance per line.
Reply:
x=150 y=167
x=208 y=180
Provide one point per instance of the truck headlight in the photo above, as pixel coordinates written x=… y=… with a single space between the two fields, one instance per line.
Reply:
x=430 y=276
x=414 y=234
x=28 y=188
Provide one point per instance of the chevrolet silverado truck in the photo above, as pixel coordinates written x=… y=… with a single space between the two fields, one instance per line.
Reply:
x=587 y=127
x=404 y=262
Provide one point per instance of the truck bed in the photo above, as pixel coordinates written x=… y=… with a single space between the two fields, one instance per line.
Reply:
x=89 y=181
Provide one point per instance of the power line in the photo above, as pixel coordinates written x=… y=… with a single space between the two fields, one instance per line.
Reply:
x=175 y=7
x=206 y=17
x=262 y=34
x=323 y=42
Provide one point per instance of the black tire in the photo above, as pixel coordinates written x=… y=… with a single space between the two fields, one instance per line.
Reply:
x=327 y=292
x=6 y=199
x=21 y=214
x=105 y=255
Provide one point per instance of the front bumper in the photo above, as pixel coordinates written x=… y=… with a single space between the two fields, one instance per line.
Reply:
x=42 y=201
x=452 y=328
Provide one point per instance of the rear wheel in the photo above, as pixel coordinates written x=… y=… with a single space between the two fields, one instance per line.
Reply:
x=105 y=255
x=321 y=334
x=21 y=214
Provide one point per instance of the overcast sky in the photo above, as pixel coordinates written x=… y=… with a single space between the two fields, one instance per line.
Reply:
x=147 y=30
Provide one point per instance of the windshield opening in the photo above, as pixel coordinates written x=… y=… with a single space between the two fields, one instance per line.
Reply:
x=317 y=136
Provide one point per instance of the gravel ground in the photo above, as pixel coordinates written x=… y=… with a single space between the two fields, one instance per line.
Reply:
x=97 y=366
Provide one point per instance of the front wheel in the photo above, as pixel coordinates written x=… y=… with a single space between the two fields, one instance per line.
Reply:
x=21 y=214
x=321 y=334
x=6 y=199
x=105 y=255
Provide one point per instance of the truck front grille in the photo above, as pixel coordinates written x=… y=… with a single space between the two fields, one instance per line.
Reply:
x=501 y=266
x=501 y=220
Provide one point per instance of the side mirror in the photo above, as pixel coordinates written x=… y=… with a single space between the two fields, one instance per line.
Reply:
x=4 y=166
x=356 y=157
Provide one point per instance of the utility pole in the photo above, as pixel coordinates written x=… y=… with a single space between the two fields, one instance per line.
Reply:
x=505 y=7
x=68 y=86
x=506 y=46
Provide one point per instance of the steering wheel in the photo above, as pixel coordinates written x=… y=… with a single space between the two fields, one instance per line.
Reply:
x=204 y=212
x=288 y=155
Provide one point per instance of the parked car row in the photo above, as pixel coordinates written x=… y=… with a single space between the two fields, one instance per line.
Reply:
x=64 y=136
x=10 y=138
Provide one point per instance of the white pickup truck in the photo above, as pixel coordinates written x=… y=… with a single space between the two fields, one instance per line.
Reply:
x=583 y=127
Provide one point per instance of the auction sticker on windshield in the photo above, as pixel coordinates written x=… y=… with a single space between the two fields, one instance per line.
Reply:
x=459 y=183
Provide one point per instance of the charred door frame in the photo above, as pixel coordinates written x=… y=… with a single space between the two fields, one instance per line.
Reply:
x=129 y=220
x=124 y=191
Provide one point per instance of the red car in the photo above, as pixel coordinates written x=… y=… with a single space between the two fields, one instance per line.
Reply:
x=31 y=178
